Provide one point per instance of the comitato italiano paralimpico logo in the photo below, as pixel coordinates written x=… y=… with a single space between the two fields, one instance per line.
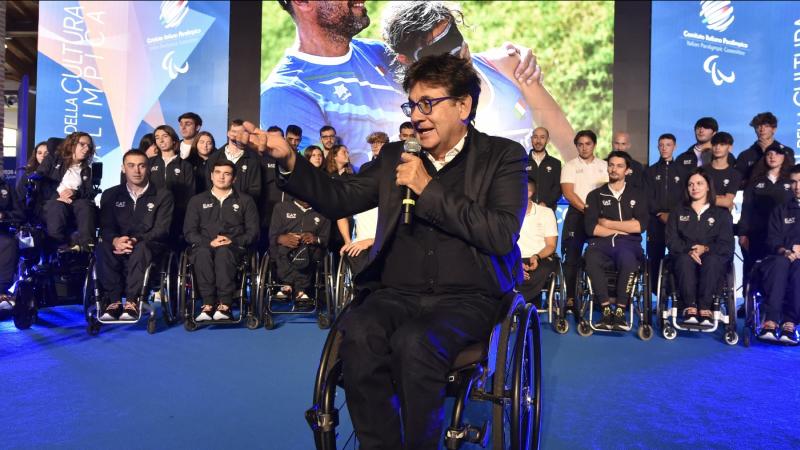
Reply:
x=717 y=15
x=173 y=12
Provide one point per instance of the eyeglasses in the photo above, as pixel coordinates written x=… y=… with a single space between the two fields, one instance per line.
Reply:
x=425 y=105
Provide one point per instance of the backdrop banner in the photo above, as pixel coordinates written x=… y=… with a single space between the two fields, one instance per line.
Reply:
x=117 y=70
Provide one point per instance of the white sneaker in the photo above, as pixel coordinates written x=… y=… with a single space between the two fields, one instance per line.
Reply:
x=223 y=315
x=203 y=316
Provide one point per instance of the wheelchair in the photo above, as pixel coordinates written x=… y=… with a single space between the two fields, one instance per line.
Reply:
x=47 y=277
x=552 y=300
x=245 y=299
x=754 y=294
x=269 y=285
x=160 y=278
x=505 y=370
x=640 y=301
x=668 y=313
x=345 y=287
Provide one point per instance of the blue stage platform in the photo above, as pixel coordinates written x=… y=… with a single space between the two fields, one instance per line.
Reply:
x=235 y=388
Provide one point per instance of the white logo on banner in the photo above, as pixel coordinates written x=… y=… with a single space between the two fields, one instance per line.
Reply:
x=172 y=69
x=717 y=77
x=717 y=15
x=173 y=12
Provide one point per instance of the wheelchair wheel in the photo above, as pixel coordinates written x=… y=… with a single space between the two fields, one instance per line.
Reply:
x=344 y=287
x=89 y=292
x=252 y=288
x=269 y=322
x=645 y=332
x=518 y=373
x=183 y=288
x=561 y=326
x=169 y=290
x=151 y=325
x=584 y=329
x=24 y=311
x=747 y=334
x=189 y=324
x=668 y=332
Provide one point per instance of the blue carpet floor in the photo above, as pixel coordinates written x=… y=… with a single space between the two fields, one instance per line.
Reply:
x=222 y=388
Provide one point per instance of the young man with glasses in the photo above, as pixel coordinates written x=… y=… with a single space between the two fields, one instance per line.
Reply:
x=435 y=283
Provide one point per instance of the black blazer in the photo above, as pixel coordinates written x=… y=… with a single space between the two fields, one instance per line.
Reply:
x=487 y=215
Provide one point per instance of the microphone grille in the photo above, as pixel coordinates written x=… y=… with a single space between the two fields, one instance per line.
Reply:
x=412 y=145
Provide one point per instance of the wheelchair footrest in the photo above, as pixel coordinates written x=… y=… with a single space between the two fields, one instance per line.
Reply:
x=696 y=327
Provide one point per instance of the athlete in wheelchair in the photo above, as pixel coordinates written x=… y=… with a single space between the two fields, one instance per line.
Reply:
x=772 y=300
x=697 y=275
x=439 y=277
x=53 y=268
x=296 y=270
x=221 y=228
x=541 y=266
x=132 y=255
x=616 y=216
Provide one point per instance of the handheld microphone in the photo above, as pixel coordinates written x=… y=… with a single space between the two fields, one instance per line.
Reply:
x=413 y=147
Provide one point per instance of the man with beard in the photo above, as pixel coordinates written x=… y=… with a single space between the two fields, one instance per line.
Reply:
x=616 y=217
x=544 y=170
x=308 y=87
x=622 y=142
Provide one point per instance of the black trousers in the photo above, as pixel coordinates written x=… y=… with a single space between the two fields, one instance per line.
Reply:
x=57 y=217
x=8 y=260
x=359 y=262
x=300 y=279
x=215 y=272
x=397 y=349
x=697 y=283
x=620 y=255
x=116 y=271
x=573 y=237
x=782 y=284
x=656 y=246
x=532 y=289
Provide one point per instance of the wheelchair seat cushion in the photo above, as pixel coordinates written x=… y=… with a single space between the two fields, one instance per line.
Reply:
x=472 y=354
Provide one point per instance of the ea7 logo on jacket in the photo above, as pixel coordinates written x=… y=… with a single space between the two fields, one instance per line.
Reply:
x=208 y=205
x=683 y=218
x=788 y=220
x=760 y=185
x=154 y=169
x=606 y=202
x=120 y=204
x=291 y=215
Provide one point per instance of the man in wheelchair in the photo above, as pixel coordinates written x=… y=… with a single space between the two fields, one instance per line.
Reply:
x=782 y=275
x=537 y=244
x=615 y=218
x=135 y=220
x=432 y=286
x=298 y=239
x=10 y=214
x=220 y=225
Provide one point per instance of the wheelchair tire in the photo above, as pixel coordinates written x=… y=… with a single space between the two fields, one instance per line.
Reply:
x=169 y=291
x=747 y=334
x=151 y=325
x=645 y=332
x=561 y=326
x=89 y=293
x=93 y=327
x=252 y=322
x=189 y=324
x=731 y=337
x=584 y=329
x=323 y=321
x=668 y=332
x=24 y=311
x=516 y=422
x=182 y=286
x=269 y=322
